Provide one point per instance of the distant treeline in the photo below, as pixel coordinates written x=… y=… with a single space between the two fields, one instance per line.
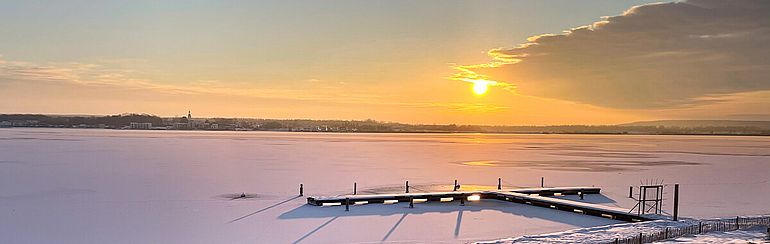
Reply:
x=690 y=127
x=114 y=121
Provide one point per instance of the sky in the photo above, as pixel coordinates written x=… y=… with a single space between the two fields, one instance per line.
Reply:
x=536 y=62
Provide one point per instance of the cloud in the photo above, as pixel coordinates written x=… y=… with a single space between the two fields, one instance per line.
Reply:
x=663 y=55
x=120 y=80
x=105 y=83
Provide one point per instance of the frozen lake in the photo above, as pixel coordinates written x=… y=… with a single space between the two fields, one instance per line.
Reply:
x=109 y=186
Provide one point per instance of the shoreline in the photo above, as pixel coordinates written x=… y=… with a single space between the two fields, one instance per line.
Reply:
x=405 y=132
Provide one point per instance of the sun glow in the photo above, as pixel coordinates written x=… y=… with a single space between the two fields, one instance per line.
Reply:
x=480 y=87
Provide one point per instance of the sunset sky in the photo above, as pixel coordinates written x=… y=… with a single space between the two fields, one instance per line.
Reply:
x=431 y=61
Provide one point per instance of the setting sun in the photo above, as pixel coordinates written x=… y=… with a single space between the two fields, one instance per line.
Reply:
x=480 y=87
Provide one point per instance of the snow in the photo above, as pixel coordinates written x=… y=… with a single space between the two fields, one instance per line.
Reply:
x=97 y=186
x=595 y=234
x=753 y=235
x=606 y=234
x=571 y=203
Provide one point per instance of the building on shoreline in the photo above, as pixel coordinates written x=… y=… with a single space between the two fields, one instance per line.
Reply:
x=140 y=126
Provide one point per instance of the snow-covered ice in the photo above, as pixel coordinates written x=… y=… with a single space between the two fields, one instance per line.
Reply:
x=97 y=186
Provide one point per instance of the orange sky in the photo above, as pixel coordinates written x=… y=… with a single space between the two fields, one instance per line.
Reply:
x=392 y=62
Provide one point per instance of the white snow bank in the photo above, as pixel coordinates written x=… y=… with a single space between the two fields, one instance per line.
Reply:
x=597 y=234
x=753 y=227
x=752 y=235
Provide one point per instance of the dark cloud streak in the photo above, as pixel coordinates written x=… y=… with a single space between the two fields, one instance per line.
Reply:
x=653 y=56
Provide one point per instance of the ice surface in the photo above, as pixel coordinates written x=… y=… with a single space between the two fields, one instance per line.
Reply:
x=97 y=186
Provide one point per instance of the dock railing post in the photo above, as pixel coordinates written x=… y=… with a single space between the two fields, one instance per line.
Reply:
x=580 y=193
x=676 y=202
x=347 y=204
x=542 y=182
x=454 y=187
x=630 y=192
x=499 y=183
x=355 y=185
x=407 y=186
x=462 y=200
x=411 y=202
x=301 y=190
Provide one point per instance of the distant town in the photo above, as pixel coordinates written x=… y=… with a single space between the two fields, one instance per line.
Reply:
x=152 y=122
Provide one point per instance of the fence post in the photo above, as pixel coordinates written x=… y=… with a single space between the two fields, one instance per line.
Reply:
x=454 y=188
x=640 y=238
x=737 y=227
x=499 y=183
x=411 y=202
x=407 y=186
x=630 y=191
x=355 y=185
x=301 y=189
x=700 y=227
x=676 y=202
x=347 y=204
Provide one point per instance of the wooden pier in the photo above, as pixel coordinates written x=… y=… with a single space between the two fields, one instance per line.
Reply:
x=531 y=196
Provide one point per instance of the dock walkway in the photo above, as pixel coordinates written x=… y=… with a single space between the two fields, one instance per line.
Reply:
x=531 y=196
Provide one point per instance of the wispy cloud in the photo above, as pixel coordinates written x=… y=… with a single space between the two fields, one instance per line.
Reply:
x=122 y=80
x=101 y=75
x=466 y=74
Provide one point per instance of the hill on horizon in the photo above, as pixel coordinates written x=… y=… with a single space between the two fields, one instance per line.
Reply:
x=702 y=123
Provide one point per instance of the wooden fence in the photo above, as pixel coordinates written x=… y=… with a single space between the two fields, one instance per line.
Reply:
x=704 y=226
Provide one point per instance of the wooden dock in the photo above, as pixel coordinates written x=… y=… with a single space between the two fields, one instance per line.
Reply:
x=531 y=196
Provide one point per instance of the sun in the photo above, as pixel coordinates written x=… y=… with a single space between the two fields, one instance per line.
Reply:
x=480 y=87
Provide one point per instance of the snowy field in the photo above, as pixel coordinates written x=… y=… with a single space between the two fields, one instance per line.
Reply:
x=109 y=186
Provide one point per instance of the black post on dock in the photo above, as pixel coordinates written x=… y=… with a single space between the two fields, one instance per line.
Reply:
x=407 y=186
x=347 y=204
x=301 y=190
x=499 y=183
x=454 y=188
x=542 y=182
x=355 y=185
x=630 y=192
x=676 y=202
x=700 y=227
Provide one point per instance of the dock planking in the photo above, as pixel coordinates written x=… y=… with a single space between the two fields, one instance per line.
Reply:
x=531 y=196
